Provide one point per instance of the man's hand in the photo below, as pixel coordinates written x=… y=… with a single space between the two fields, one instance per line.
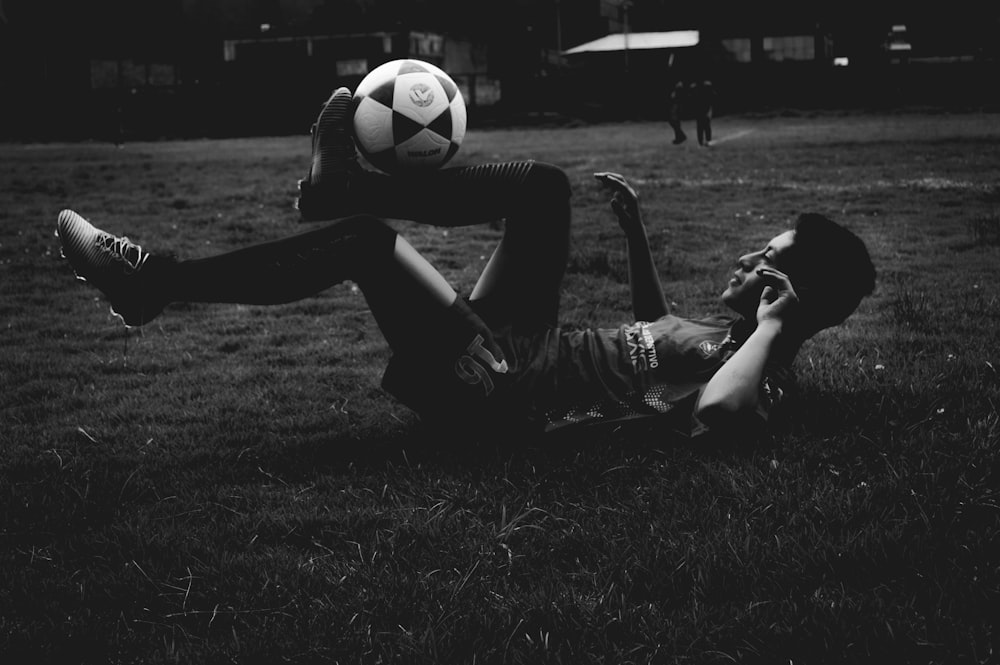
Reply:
x=648 y=301
x=778 y=301
x=624 y=200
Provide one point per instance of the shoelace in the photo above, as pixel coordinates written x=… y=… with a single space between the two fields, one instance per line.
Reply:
x=124 y=250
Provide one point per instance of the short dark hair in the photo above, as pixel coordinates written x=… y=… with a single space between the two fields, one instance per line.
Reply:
x=830 y=269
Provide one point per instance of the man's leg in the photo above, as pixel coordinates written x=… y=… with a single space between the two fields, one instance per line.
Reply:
x=522 y=279
x=287 y=269
x=444 y=353
x=675 y=124
x=362 y=248
x=521 y=282
x=448 y=354
x=139 y=283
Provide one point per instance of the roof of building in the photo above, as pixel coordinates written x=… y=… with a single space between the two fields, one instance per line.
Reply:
x=638 y=40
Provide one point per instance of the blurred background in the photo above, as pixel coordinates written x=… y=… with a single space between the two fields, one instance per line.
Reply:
x=146 y=69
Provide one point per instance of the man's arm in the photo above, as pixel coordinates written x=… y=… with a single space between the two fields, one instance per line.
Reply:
x=733 y=392
x=648 y=301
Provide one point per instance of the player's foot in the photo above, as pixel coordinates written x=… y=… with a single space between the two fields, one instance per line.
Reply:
x=680 y=139
x=113 y=264
x=322 y=195
x=333 y=151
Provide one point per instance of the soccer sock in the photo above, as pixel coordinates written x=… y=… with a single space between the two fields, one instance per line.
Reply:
x=449 y=197
x=283 y=270
x=465 y=195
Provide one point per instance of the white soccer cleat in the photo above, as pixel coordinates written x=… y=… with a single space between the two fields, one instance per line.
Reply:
x=113 y=264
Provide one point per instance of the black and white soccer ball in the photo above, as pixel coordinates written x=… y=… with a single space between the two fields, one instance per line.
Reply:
x=408 y=115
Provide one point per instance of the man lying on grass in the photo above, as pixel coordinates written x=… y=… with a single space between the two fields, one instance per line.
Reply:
x=499 y=357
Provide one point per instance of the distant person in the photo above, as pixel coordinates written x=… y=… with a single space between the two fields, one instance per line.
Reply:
x=499 y=358
x=702 y=100
x=701 y=94
x=674 y=106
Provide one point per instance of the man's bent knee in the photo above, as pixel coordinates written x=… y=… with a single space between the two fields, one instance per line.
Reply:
x=548 y=182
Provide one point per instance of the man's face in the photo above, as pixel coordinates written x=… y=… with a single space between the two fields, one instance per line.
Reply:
x=743 y=293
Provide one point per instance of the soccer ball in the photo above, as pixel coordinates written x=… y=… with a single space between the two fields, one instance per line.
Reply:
x=408 y=115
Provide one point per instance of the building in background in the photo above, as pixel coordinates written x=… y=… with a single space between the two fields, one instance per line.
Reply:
x=121 y=68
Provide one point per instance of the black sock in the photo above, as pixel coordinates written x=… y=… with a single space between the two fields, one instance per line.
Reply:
x=460 y=196
x=282 y=270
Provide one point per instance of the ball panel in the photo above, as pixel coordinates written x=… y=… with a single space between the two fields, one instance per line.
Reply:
x=411 y=66
x=373 y=125
x=403 y=128
x=424 y=149
x=442 y=124
x=459 y=119
x=419 y=96
x=384 y=92
x=449 y=87
x=384 y=72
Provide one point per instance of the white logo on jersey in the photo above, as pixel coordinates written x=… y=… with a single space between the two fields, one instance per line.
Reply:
x=641 y=347
x=708 y=347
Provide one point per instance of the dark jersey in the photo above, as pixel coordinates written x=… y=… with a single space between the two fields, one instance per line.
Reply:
x=554 y=378
x=702 y=97
x=641 y=370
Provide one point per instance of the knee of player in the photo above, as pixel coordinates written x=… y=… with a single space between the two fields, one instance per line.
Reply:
x=549 y=180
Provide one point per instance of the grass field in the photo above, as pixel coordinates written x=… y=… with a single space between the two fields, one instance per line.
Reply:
x=231 y=484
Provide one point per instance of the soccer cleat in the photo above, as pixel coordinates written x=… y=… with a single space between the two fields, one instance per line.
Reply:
x=323 y=193
x=333 y=151
x=113 y=264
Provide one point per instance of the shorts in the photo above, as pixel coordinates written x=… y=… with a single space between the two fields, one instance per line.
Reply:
x=471 y=382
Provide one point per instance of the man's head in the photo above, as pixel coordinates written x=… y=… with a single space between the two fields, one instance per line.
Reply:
x=828 y=265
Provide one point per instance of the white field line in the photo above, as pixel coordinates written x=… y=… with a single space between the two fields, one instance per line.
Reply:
x=924 y=184
x=732 y=137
